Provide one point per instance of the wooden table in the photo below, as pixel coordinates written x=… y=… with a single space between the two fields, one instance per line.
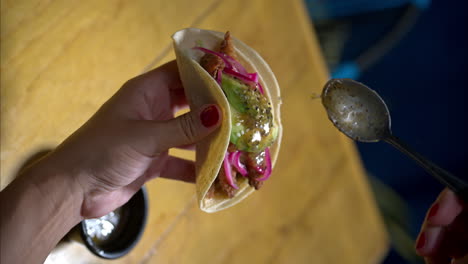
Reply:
x=60 y=60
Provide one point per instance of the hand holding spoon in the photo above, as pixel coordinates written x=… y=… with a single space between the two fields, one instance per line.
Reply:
x=360 y=113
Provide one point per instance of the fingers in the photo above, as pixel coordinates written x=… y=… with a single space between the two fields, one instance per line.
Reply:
x=179 y=169
x=166 y=75
x=156 y=82
x=151 y=138
x=178 y=99
x=132 y=188
x=174 y=168
x=441 y=244
x=456 y=238
x=188 y=147
x=160 y=84
x=187 y=128
x=429 y=240
x=445 y=209
x=100 y=204
x=439 y=238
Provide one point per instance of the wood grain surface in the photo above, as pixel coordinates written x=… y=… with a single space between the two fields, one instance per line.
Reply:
x=60 y=60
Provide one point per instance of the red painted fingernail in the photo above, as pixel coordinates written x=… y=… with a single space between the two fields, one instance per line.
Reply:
x=209 y=116
x=421 y=241
x=433 y=210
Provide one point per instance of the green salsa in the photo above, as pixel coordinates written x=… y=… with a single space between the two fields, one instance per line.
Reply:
x=253 y=127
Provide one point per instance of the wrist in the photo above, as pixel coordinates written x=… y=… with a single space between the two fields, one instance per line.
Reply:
x=43 y=205
x=59 y=188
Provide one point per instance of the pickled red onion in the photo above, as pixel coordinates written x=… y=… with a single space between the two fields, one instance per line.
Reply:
x=219 y=77
x=235 y=161
x=253 y=76
x=249 y=78
x=228 y=171
x=241 y=77
x=260 y=88
x=234 y=68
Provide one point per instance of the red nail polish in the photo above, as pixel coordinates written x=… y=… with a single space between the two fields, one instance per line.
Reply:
x=433 y=210
x=421 y=241
x=209 y=116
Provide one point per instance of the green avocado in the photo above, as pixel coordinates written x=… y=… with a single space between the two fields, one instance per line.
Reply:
x=253 y=127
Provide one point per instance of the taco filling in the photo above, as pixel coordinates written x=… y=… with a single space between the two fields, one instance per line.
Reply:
x=253 y=127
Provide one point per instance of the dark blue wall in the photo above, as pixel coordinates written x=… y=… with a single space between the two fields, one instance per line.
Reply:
x=424 y=80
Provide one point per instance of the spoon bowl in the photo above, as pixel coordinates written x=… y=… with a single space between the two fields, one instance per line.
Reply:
x=356 y=110
x=360 y=113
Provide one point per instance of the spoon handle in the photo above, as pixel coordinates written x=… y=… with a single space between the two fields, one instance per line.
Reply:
x=456 y=184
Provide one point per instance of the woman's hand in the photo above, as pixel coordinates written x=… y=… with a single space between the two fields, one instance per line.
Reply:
x=444 y=233
x=104 y=163
x=126 y=142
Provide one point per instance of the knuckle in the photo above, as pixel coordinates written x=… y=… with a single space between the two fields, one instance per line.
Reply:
x=187 y=128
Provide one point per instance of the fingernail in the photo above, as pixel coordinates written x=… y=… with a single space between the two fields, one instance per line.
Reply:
x=421 y=241
x=209 y=116
x=433 y=210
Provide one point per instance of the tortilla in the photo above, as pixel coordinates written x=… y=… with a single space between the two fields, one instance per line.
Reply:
x=201 y=89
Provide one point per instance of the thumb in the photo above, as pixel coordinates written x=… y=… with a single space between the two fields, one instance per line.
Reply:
x=187 y=129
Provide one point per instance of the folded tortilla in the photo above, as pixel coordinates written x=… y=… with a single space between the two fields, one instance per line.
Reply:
x=202 y=89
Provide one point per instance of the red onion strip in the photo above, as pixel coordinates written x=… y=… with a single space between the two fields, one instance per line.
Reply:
x=234 y=68
x=253 y=76
x=242 y=77
x=219 y=77
x=260 y=88
x=235 y=161
x=228 y=171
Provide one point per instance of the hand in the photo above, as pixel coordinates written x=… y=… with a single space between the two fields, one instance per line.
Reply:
x=444 y=233
x=126 y=142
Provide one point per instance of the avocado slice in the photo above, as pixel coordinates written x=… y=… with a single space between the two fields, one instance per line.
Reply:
x=253 y=127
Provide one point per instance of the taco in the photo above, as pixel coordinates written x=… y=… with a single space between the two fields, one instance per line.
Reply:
x=239 y=157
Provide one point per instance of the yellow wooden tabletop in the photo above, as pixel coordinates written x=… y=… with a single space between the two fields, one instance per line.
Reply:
x=60 y=60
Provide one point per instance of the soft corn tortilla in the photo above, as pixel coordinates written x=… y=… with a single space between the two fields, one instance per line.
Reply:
x=201 y=89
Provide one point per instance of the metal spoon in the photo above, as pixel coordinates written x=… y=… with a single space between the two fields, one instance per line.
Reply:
x=360 y=113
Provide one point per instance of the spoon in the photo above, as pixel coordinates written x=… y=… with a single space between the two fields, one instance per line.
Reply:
x=360 y=113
